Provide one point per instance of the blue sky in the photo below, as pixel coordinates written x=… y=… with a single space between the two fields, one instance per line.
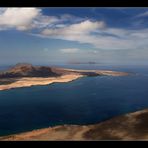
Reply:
x=62 y=35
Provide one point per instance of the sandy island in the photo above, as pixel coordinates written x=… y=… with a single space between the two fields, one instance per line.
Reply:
x=70 y=75
x=27 y=82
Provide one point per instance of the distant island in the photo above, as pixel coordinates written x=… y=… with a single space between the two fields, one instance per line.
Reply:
x=26 y=75
x=90 y=62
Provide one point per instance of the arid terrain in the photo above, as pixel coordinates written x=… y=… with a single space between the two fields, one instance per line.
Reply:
x=27 y=82
x=26 y=75
x=132 y=126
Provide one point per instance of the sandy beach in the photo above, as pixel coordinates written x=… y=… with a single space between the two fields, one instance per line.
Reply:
x=28 y=82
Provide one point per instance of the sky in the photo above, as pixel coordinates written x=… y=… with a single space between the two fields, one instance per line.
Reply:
x=106 y=35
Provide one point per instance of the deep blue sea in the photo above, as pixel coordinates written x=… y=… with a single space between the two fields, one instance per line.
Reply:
x=83 y=101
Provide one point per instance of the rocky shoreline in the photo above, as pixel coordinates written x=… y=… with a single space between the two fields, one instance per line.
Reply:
x=131 y=126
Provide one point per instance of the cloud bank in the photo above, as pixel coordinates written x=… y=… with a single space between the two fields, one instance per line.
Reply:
x=72 y=28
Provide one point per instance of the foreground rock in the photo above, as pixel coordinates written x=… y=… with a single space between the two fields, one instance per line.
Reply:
x=133 y=126
x=26 y=75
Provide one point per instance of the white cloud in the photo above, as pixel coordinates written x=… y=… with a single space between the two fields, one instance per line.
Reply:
x=73 y=28
x=101 y=37
x=29 y=18
x=19 y=18
x=142 y=14
x=69 y=50
x=83 y=33
x=84 y=27
x=43 y=21
x=78 y=51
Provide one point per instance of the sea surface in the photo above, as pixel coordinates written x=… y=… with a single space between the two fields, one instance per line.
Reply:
x=86 y=100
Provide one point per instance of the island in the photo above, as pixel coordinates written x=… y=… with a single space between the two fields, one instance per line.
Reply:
x=76 y=62
x=26 y=75
x=131 y=126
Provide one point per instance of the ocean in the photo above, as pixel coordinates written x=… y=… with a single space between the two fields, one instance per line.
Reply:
x=84 y=101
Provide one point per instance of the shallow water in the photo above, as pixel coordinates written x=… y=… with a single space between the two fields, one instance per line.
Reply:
x=83 y=101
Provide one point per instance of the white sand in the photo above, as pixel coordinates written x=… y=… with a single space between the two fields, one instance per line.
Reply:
x=27 y=82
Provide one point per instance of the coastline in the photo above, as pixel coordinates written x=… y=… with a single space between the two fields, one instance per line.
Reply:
x=63 y=132
x=131 y=126
x=35 y=81
x=67 y=75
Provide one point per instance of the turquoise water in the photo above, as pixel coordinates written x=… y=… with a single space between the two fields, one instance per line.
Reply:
x=83 y=101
